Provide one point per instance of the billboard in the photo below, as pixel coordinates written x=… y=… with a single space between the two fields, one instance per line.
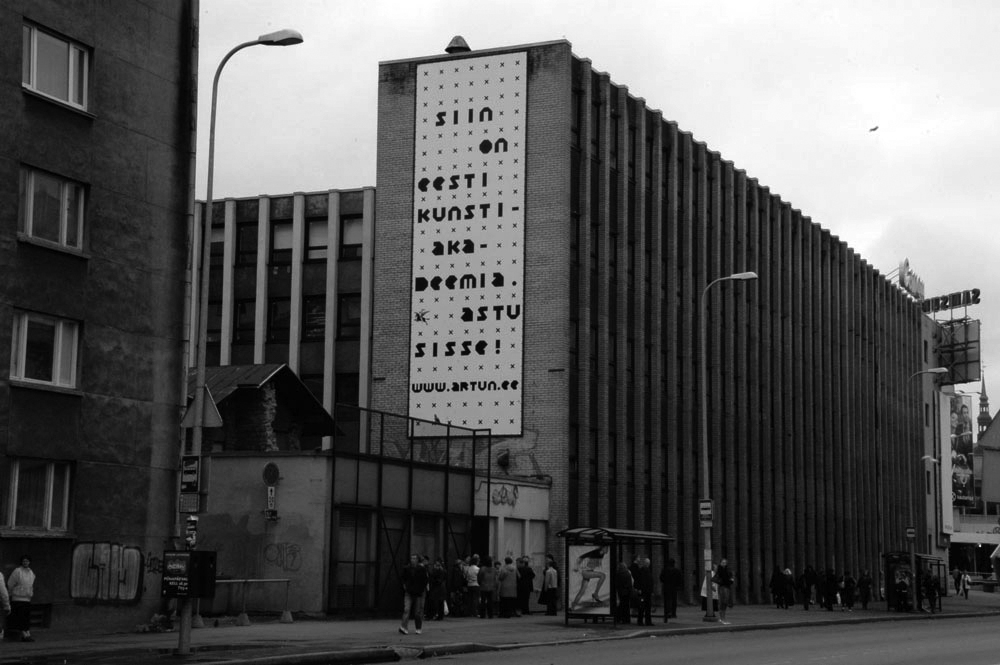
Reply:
x=467 y=290
x=962 y=435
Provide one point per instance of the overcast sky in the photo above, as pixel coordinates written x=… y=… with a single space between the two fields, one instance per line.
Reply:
x=789 y=91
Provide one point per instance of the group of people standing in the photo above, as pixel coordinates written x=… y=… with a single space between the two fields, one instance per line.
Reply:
x=473 y=587
x=15 y=600
x=827 y=589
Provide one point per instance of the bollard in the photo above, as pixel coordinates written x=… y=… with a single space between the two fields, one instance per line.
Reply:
x=286 y=615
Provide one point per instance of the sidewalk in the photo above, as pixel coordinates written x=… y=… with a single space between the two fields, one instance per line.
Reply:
x=268 y=642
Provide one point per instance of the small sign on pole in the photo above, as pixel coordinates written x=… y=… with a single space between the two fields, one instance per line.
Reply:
x=911 y=533
x=706 y=512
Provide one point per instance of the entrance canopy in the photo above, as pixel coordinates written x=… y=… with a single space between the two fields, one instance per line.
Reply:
x=599 y=535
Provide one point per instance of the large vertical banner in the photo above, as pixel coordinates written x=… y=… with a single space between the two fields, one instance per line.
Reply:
x=962 y=440
x=467 y=299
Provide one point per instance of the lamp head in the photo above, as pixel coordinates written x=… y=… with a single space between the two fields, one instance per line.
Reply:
x=937 y=370
x=281 y=38
x=743 y=276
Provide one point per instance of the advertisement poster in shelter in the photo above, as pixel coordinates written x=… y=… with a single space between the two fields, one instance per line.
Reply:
x=588 y=583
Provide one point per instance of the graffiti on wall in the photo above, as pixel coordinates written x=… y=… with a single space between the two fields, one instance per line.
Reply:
x=106 y=573
x=287 y=556
x=504 y=495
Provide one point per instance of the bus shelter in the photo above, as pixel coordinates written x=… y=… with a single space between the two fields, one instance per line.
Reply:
x=592 y=557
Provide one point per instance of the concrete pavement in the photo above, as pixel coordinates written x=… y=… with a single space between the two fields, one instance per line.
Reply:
x=269 y=642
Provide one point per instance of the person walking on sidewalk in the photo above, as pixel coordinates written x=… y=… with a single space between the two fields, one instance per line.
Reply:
x=865 y=589
x=487 y=588
x=724 y=578
x=414 y=588
x=671 y=580
x=4 y=605
x=550 y=586
x=21 y=586
x=525 y=585
x=966 y=583
x=507 y=583
x=472 y=587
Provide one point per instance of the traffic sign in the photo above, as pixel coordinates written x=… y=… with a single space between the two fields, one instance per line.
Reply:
x=706 y=511
x=911 y=533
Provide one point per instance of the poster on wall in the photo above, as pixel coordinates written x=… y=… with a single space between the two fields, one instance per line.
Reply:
x=587 y=581
x=467 y=293
x=962 y=441
x=944 y=433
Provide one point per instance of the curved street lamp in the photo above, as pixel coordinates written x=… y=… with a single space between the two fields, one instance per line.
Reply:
x=705 y=482
x=280 y=38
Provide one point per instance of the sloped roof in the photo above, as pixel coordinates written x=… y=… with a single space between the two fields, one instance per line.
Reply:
x=603 y=534
x=225 y=380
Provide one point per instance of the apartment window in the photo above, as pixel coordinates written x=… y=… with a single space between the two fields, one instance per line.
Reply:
x=54 y=67
x=351 y=236
x=345 y=392
x=52 y=208
x=45 y=350
x=349 y=316
x=279 y=317
x=244 y=321
x=281 y=243
x=246 y=244
x=217 y=248
x=313 y=318
x=36 y=496
x=316 y=251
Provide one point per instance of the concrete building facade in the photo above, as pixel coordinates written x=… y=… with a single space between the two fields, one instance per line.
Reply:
x=543 y=222
x=96 y=175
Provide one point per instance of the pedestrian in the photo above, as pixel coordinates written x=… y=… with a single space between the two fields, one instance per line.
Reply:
x=671 y=580
x=966 y=582
x=812 y=585
x=776 y=584
x=624 y=592
x=525 y=586
x=507 y=588
x=472 y=587
x=957 y=576
x=414 y=589
x=4 y=605
x=456 y=588
x=931 y=590
x=21 y=586
x=714 y=592
x=724 y=578
x=487 y=588
x=550 y=586
x=644 y=587
x=865 y=589
x=848 y=591
x=803 y=588
x=437 y=592
x=788 y=586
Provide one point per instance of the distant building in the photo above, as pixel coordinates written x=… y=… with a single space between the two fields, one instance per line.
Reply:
x=96 y=170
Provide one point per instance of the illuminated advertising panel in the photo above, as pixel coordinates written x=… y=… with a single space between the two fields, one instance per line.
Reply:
x=588 y=586
x=945 y=430
x=467 y=294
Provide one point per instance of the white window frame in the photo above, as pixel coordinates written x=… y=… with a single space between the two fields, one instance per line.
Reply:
x=67 y=336
x=67 y=189
x=77 y=68
x=10 y=518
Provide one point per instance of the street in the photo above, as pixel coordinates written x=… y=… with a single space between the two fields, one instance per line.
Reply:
x=970 y=641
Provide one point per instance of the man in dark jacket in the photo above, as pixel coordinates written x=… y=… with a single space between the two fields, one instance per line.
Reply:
x=644 y=589
x=671 y=580
x=414 y=588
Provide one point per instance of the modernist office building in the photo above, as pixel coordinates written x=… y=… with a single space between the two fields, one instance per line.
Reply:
x=97 y=183
x=544 y=240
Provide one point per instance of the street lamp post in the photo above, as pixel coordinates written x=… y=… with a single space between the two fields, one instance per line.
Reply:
x=911 y=529
x=705 y=479
x=279 y=38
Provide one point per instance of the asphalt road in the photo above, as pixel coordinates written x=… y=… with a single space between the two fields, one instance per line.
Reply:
x=969 y=641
